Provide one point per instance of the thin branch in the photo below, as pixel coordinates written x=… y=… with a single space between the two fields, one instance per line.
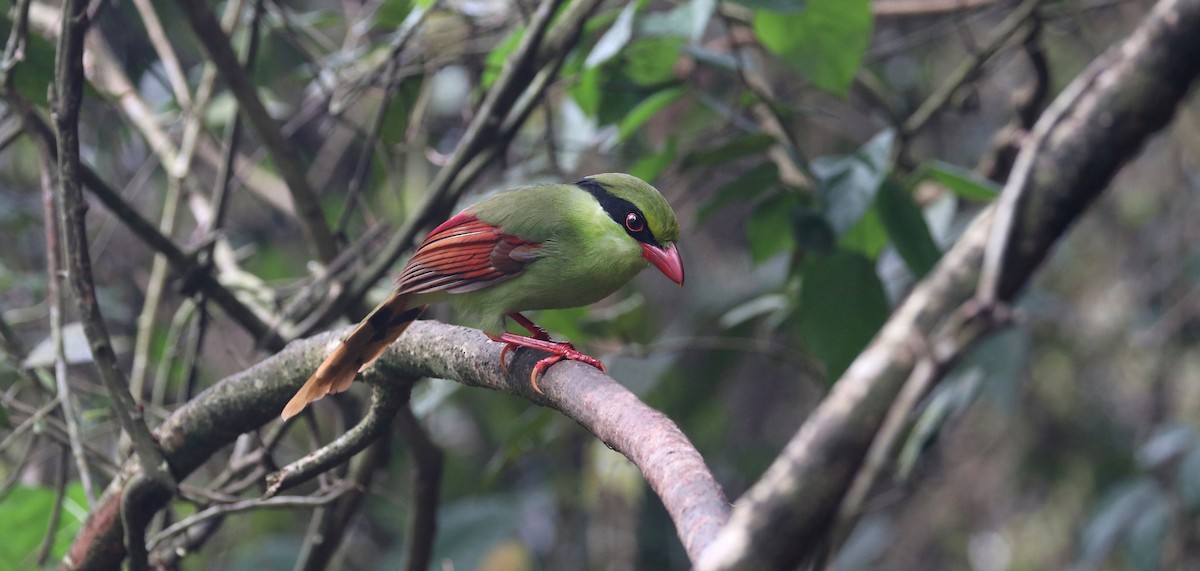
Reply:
x=28 y=423
x=937 y=355
x=216 y=44
x=254 y=320
x=384 y=402
x=331 y=523
x=166 y=52
x=155 y=286
x=223 y=510
x=1015 y=22
x=219 y=206
x=16 y=469
x=55 y=297
x=409 y=27
x=15 y=351
x=68 y=95
x=109 y=77
x=57 y=431
x=60 y=493
x=140 y=492
x=422 y=526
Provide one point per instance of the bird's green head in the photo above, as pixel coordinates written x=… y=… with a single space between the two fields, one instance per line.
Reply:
x=642 y=212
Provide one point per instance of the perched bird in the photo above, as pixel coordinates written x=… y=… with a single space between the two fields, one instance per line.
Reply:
x=534 y=247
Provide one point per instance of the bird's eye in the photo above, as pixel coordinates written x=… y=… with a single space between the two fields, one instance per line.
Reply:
x=634 y=222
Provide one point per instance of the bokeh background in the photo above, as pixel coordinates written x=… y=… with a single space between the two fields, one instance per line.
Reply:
x=819 y=155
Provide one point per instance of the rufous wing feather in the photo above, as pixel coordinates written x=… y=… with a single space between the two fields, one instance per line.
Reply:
x=355 y=353
x=461 y=255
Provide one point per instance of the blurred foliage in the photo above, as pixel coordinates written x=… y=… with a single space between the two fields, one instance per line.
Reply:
x=1068 y=441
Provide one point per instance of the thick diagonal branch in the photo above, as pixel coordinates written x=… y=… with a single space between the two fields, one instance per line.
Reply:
x=1126 y=96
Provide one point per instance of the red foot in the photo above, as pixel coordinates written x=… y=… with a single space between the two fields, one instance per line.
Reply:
x=541 y=341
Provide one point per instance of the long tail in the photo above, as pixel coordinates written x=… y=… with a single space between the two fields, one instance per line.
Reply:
x=356 y=352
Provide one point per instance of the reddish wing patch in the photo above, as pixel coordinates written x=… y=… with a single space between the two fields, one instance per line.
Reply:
x=464 y=254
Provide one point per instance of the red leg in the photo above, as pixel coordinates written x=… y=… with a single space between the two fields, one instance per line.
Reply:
x=541 y=341
x=534 y=329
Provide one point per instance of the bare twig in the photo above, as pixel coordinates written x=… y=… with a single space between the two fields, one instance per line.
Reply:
x=936 y=102
x=154 y=290
x=55 y=298
x=384 y=402
x=427 y=456
x=216 y=44
x=937 y=355
x=57 y=431
x=223 y=510
x=219 y=208
x=60 y=494
x=17 y=468
x=166 y=52
x=896 y=8
x=68 y=95
x=410 y=25
x=28 y=423
x=141 y=491
x=331 y=523
x=254 y=320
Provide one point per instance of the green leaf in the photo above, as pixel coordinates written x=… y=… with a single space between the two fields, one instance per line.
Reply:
x=614 y=38
x=812 y=231
x=783 y=6
x=847 y=183
x=825 y=41
x=906 y=225
x=960 y=181
x=395 y=119
x=1146 y=535
x=651 y=166
x=868 y=236
x=734 y=149
x=842 y=305
x=651 y=61
x=24 y=517
x=1113 y=519
x=495 y=60
x=769 y=229
x=645 y=110
x=391 y=13
x=746 y=187
x=586 y=91
x=33 y=75
x=947 y=400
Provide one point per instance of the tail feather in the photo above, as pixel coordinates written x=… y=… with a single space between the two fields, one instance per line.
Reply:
x=357 y=352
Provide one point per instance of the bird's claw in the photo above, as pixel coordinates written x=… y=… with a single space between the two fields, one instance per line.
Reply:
x=570 y=354
x=503 y=353
x=540 y=340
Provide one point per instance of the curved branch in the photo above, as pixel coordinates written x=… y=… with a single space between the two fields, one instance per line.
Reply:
x=383 y=407
x=1129 y=93
x=254 y=397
